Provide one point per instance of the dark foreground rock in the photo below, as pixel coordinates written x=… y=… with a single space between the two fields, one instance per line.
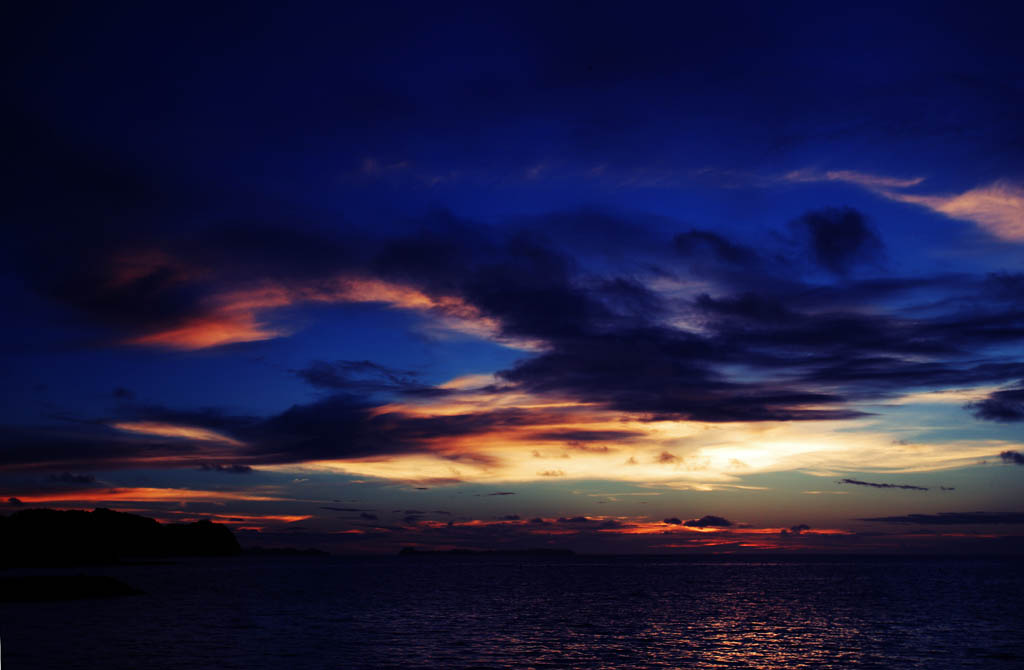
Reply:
x=50 y=588
x=46 y=537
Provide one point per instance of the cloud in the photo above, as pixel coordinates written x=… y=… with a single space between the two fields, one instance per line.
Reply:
x=69 y=478
x=1005 y=406
x=839 y=238
x=586 y=436
x=954 y=518
x=673 y=521
x=795 y=530
x=882 y=486
x=235 y=469
x=865 y=179
x=1014 y=457
x=998 y=208
x=365 y=377
x=709 y=521
x=623 y=356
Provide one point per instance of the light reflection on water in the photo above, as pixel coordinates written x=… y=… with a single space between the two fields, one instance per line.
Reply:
x=464 y=612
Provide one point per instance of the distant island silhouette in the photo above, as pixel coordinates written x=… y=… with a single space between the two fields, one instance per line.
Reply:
x=52 y=538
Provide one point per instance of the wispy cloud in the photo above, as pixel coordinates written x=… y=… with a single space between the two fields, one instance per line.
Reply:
x=865 y=179
x=997 y=208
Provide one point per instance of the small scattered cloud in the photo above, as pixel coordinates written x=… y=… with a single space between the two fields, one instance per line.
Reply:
x=857 y=482
x=865 y=179
x=1014 y=457
x=234 y=468
x=673 y=521
x=795 y=530
x=69 y=478
x=997 y=208
x=709 y=521
x=838 y=238
x=1004 y=406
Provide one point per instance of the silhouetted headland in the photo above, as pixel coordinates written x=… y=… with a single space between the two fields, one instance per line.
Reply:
x=412 y=551
x=46 y=538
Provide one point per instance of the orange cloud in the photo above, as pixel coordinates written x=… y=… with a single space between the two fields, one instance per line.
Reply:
x=172 y=430
x=142 y=494
x=234 y=316
x=865 y=179
x=998 y=208
x=210 y=331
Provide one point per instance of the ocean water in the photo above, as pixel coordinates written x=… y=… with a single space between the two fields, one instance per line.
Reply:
x=532 y=612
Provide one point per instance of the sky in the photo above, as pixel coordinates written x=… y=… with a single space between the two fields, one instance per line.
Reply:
x=656 y=279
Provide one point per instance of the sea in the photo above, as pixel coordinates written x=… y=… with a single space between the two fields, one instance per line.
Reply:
x=448 y=611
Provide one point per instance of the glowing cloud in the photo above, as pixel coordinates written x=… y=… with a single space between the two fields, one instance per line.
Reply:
x=172 y=430
x=234 y=316
x=867 y=180
x=141 y=494
x=998 y=207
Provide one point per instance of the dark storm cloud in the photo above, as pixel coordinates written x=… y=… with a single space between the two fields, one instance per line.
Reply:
x=816 y=348
x=586 y=435
x=365 y=377
x=795 y=530
x=1014 y=457
x=233 y=468
x=813 y=348
x=69 y=478
x=86 y=446
x=709 y=521
x=665 y=374
x=606 y=341
x=1004 y=406
x=703 y=243
x=839 y=238
x=338 y=426
x=857 y=482
x=953 y=518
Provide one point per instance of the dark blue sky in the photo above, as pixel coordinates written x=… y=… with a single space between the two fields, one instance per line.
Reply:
x=295 y=267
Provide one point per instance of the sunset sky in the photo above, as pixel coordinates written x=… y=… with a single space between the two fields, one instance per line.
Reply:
x=722 y=278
